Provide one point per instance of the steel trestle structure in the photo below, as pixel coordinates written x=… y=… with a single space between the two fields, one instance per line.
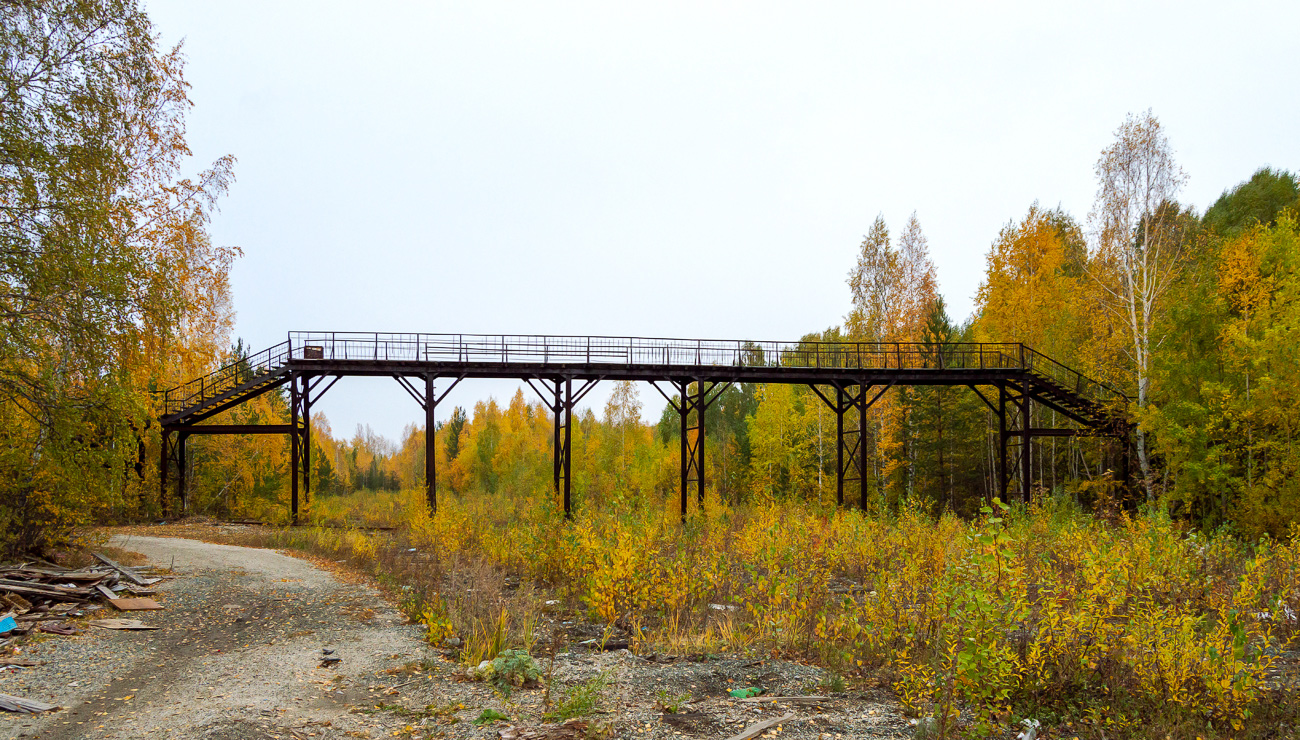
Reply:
x=848 y=377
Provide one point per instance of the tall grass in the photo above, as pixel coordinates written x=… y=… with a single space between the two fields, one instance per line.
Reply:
x=1042 y=612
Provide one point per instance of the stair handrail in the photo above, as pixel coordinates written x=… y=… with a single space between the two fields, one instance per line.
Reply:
x=1071 y=379
x=225 y=378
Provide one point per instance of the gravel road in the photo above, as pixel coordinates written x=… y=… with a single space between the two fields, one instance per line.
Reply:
x=238 y=657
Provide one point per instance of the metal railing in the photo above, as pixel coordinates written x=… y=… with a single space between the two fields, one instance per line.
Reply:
x=226 y=379
x=1070 y=379
x=542 y=350
x=653 y=351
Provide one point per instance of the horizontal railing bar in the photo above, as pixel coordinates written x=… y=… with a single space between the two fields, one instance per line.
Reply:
x=606 y=350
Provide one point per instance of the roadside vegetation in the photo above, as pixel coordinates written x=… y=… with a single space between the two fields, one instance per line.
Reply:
x=1130 y=626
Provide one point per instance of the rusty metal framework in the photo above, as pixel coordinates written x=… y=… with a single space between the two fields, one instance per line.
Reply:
x=857 y=375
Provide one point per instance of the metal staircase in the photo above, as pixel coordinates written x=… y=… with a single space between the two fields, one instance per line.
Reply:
x=227 y=386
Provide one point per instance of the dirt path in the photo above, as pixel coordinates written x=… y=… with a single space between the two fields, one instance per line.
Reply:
x=239 y=648
x=237 y=656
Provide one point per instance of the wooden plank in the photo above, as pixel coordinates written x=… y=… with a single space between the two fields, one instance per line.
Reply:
x=49 y=575
x=49 y=593
x=26 y=706
x=120 y=624
x=757 y=729
x=106 y=592
x=130 y=575
x=131 y=605
x=5 y=583
x=790 y=699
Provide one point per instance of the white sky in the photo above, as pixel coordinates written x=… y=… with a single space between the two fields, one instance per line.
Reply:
x=693 y=169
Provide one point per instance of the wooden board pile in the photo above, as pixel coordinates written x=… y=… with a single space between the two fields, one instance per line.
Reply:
x=38 y=596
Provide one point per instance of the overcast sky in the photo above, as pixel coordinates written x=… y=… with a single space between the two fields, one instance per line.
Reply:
x=693 y=170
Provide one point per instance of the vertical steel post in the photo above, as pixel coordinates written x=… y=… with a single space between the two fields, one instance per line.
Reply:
x=568 y=441
x=839 y=444
x=699 y=440
x=306 y=440
x=557 y=450
x=293 y=448
x=1026 y=459
x=430 y=449
x=1004 y=479
x=686 y=459
x=862 y=444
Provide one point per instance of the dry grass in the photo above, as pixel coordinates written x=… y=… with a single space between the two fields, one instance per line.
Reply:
x=1131 y=627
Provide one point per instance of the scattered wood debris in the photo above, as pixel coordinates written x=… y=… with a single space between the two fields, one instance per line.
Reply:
x=25 y=706
x=572 y=729
x=759 y=728
x=128 y=605
x=120 y=624
x=36 y=592
x=786 y=699
x=130 y=574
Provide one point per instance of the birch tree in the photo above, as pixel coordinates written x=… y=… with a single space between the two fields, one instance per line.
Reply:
x=1137 y=247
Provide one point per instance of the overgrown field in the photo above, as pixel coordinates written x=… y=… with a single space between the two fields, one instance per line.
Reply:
x=1132 y=626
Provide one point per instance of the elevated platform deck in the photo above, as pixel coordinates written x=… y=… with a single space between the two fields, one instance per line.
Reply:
x=848 y=376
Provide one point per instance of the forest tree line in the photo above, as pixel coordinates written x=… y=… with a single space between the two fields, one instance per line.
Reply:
x=1189 y=314
x=113 y=290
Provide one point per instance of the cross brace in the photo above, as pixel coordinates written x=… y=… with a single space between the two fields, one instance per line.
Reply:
x=558 y=395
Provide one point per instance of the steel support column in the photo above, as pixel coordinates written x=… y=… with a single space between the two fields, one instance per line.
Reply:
x=839 y=444
x=1004 y=477
x=560 y=398
x=294 y=410
x=430 y=450
x=862 y=442
x=1026 y=450
x=306 y=440
x=851 y=456
x=568 y=448
x=692 y=448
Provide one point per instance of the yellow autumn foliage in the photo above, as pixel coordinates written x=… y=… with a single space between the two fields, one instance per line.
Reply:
x=1032 y=610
